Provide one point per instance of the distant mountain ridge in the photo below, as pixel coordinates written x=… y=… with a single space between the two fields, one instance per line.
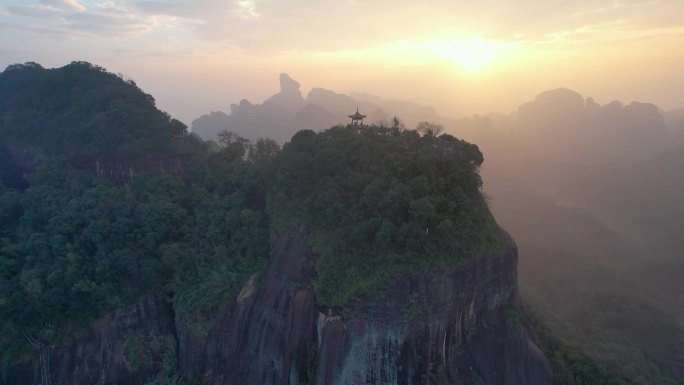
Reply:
x=287 y=112
x=592 y=194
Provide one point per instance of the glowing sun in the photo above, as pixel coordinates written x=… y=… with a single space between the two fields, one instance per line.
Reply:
x=470 y=54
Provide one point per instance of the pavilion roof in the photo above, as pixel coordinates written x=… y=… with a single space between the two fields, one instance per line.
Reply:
x=357 y=115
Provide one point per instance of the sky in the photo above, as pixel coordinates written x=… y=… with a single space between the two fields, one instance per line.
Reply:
x=463 y=57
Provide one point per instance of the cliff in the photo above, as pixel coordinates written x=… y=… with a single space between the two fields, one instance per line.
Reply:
x=129 y=346
x=453 y=326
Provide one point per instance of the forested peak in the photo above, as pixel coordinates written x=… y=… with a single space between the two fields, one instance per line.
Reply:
x=382 y=200
x=80 y=111
x=24 y=67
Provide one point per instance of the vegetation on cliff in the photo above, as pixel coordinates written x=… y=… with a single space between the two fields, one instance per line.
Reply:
x=74 y=245
x=379 y=200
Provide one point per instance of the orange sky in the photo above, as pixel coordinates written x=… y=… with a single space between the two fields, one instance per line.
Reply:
x=462 y=57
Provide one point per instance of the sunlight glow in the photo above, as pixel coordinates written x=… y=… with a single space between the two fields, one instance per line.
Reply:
x=470 y=54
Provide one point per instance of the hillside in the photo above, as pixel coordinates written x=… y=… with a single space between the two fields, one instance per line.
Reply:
x=80 y=110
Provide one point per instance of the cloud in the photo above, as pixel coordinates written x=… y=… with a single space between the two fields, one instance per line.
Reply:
x=246 y=9
x=36 y=11
x=296 y=26
x=36 y=28
x=73 y=5
x=327 y=25
x=106 y=24
x=75 y=19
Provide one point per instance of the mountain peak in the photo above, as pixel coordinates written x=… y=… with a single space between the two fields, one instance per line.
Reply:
x=289 y=85
x=290 y=97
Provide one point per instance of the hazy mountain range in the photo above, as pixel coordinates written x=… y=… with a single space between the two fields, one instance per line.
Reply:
x=592 y=195
x=287 y=112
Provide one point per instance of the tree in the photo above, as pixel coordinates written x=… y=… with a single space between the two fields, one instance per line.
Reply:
x=397 y=126
x=430 y=129
x=232 y=144
x=263 y=150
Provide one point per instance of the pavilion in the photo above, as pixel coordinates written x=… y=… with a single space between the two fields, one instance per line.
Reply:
x=357 y=119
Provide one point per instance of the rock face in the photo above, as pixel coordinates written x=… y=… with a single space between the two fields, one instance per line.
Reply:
x=267 y=335
x=290 y=97
x=454 y=326
x=129 y=346
x=447 y=327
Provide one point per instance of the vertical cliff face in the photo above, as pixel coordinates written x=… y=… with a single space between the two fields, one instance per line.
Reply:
x=453 y=326
x=268 y=334
x=457 y=326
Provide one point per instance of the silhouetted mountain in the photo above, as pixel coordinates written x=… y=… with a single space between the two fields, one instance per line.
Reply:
x=675 y=123
x=592 y=195
x=562 y=124
x=289 y=97
x=209 y=125
x=286 y=112
x=338 y=104
x=247 y=120
x=411 y=113
x=675 y=117
x=313 y=116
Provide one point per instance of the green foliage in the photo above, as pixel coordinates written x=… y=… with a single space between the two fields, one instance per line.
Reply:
x=264 y=150
x=232 y=145
x=572 y=366
x=80 y=111
x=74 y=246
x=381 y=202
x=621 y=334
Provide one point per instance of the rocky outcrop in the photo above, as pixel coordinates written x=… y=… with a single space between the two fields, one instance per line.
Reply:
x=290 y=97
x=455 y=326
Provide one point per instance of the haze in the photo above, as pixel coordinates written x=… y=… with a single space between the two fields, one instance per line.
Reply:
x=460 y=57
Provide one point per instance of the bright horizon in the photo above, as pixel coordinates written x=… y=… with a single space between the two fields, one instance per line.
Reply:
x=461 y=58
